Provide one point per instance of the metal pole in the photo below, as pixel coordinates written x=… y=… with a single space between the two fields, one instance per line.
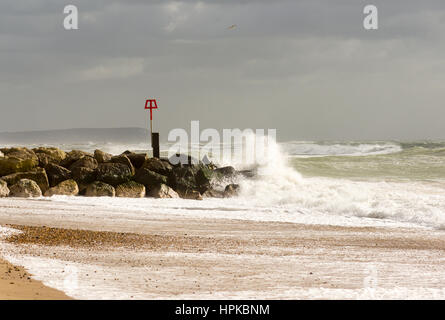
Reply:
x=155 y=139
x=151 y=129
x=154 y=136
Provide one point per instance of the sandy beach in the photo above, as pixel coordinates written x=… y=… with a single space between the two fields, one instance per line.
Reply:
x=175 y=257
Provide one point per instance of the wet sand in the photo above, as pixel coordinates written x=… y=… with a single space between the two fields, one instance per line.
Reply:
x=17 y=284
x=177 y=257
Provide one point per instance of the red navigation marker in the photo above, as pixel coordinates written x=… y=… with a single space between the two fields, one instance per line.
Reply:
x=154 y=135
x=153 y=105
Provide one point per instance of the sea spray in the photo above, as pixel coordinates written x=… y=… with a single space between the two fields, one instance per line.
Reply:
x=279 y=187
x=275 y=182
x=314 y=149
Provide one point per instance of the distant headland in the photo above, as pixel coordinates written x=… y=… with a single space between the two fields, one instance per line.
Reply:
x=117 y=135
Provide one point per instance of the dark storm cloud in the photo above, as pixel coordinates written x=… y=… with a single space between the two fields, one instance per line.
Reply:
x=305 y=67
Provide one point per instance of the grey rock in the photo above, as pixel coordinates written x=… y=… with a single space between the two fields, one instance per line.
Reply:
x=85 y=162
x=17 y=160
x=149 y=179
x=49 y=155
x=38 y=175
x=160 y=166
x=4 y=190
x=114 y=173
x=191 y=195
x=73 y=156
x=212 y=193
x=137 y=159
x=25 y=188
x=101 y=156
x=66 y=188
x=183 y=178
x=123 y=159
x=83 y=175
x=203 y=178
x=56 y=174
x=100 y=189
x=231 y=190
x=130 y=189
x=163 y=191
x=225 y=172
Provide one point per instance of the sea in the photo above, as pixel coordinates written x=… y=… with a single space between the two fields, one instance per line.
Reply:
x=350 y=183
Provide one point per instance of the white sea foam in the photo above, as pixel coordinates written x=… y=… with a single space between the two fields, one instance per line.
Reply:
x=308 y=149
x=6 y=232
x=286 y=197
x=100 y=275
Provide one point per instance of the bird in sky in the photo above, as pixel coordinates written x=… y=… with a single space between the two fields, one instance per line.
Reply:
x=233 y=26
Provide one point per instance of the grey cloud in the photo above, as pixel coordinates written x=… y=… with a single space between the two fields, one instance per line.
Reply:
x=305 y=67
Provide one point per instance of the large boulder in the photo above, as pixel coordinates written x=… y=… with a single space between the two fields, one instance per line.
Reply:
x=1 y=154
x=45 y=159
x=17 y=160
x=48 y=155
x=163 y=191
x=124 y=160
x=225 y=172
x=65 y=188
x=130 y=189
x=137 y=159
x=183 y=178
x=100 y=189
x=22 y=153
x=101 y=156
x=161 y=166
x=56 y=174
x=38 y=175
x=84 y=175
x=190 y=194
x=4 y=190
x=114 y=173
x=248 y=173
x=149 y=178
x=213 y=193
x=203 y=178
x=73 y=156
x=231 y=190
x=85 y=162
x=25 y=188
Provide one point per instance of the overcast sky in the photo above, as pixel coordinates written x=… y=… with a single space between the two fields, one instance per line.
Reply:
x=307 y=68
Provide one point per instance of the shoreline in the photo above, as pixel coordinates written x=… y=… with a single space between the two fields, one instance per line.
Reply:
x=187 y=258
x=17 y=284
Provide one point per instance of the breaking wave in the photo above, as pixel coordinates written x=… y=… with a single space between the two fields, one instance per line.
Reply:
x=282 y=188
x=302 y=148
